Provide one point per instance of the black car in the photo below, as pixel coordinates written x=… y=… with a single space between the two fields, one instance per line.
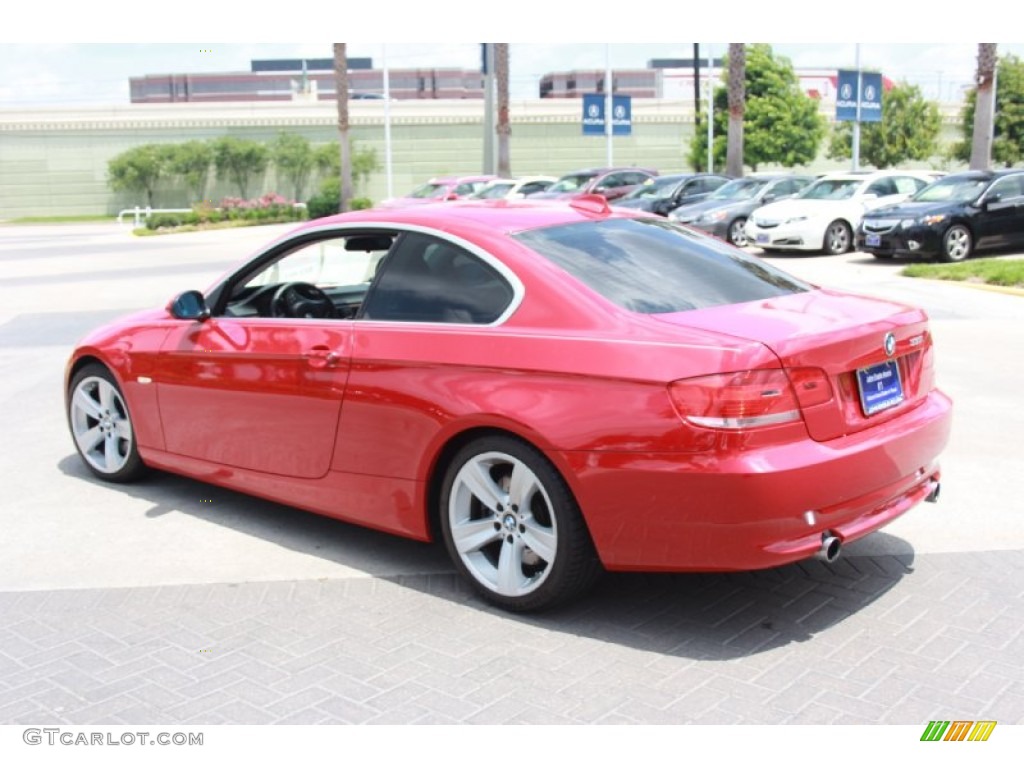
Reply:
x=950 y=218
x=724 y=212
x=666 y=193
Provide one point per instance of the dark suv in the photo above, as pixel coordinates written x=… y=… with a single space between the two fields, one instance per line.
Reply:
x=950 y=218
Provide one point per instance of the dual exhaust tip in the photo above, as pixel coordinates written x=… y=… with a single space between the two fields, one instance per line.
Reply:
x=831 y=545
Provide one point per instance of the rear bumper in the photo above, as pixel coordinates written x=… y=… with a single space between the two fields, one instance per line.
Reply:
x=759 y=508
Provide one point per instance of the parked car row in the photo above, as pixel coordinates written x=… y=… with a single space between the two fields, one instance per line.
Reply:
x=885 y=213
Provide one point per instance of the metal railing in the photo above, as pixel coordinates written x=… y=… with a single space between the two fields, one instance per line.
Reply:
x=140 y=214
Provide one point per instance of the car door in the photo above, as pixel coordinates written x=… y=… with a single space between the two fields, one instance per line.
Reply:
x=1000 y=220
x=253 y=389
x=430 y=302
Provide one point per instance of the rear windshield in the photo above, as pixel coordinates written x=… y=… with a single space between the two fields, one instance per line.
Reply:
x=652 y=265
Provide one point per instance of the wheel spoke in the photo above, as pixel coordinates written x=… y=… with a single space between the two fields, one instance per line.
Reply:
x=108 y=398
x=123 y=429
x=522 y=485
x=112 y=454
x=510 y=567
x=478 y=480
x=540 y=539
x=473 y=535
x=85 y=403
x=89 y=439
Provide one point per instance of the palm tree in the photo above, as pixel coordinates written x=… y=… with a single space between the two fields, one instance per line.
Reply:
x=981 y=145
x=341 y=88
x=737 y=99
x=501 y=74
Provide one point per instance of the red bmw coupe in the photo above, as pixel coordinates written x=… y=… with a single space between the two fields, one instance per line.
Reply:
x=550 y=388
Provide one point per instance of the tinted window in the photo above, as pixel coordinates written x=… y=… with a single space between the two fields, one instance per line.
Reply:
x=882 y=188
x=648 y=265
x=952 y=188
x=908 y=185
x=425 y=279
x=1006 y=187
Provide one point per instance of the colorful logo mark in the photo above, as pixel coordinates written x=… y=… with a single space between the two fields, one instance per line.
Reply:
x=958 y=730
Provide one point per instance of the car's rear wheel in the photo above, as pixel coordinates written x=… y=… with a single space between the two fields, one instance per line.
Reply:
x=512 y=527
x=738 y=233
x=838 y=238
x=102 y=427
x=956 y=243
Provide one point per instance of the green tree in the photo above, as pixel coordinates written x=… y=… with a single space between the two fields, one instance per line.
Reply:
x=294 y=159
x=239 y=160
x=909 y=130
x=1008 y=145
x=326 y=158
x=139 y=169
x=781 y=123
x=191 y=162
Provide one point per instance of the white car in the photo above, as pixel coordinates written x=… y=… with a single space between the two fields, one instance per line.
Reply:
x=514 y=189
x=826 y=214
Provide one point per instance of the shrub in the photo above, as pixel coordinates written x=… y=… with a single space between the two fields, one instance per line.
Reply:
x=328 y=199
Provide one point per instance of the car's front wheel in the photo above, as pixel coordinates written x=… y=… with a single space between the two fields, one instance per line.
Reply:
x=956 y=243
x=838 y=238
x=512 y=527
x=738 y=233
x=102 y=427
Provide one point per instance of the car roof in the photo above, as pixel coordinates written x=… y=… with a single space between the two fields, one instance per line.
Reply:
x=869 y=175
x=491 y=216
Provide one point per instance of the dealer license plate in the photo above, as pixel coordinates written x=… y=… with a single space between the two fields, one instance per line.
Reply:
x=762 y=237
x=872 y=240
x=880 y=387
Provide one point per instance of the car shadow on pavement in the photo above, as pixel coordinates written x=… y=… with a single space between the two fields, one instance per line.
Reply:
x=716 y=616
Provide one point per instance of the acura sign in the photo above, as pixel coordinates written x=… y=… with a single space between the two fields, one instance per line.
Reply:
x=870 y=96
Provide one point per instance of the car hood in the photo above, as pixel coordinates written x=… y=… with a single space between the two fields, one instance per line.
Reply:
x=834 y=331
x=636 y=203
x=693 y=210
x=786 y=209
x=910 y=209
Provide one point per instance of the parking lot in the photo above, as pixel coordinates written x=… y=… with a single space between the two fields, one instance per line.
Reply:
x=173 y=601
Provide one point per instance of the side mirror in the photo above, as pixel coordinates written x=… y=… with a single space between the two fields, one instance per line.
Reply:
x=451 y=196
x=189 y=305
x=995 y=197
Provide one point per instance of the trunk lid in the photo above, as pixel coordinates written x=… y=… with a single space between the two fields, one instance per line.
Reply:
x=840 y=334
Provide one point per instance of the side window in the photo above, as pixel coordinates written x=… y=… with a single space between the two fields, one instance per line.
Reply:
x=337 y=268
x=635 y=178
x=711 y=184
x=428 y=280
x=533 y=186
x=783 y=188
x=882 y=188
x=908 y=185
x=613 y=180
x=464 y=189
x=1007 y=187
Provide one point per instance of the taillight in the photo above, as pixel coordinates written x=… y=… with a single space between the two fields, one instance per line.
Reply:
x=742 y=400
x=811 y=386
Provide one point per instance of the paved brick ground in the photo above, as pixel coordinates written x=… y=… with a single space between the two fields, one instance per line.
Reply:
x=890 y=639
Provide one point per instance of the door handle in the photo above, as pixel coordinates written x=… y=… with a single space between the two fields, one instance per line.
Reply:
x=321 y=356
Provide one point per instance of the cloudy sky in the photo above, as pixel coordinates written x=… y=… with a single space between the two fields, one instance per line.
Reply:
x=84 y=54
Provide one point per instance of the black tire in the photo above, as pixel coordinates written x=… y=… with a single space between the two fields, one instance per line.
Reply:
x=957 y=244
x=101 y=426
x=521 y=554
x=735 y=233
x=838 y=238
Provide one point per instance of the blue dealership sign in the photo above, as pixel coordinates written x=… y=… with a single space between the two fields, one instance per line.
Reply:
x=870 y=96
x=593 y=115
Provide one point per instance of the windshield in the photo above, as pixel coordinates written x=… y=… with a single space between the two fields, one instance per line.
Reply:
x=570 y=183
x=656 y=189
x=653 y=265
x=831 y=189
x=951 y=190
x=493 y=192
x=741 y=189
x=429 y=190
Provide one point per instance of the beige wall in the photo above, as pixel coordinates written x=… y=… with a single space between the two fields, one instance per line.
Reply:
x=53 y=161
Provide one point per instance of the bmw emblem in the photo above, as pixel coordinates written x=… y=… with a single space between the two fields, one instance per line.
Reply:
x=890 y=344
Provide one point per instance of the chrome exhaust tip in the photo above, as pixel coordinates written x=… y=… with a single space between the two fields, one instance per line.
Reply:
x=830 y=548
